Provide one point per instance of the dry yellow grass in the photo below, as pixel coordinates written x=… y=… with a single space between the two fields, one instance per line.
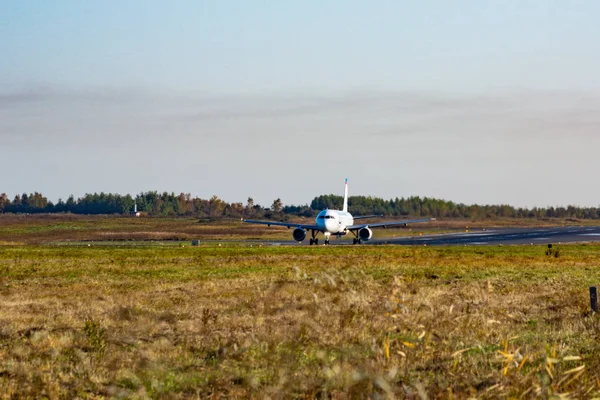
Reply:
x=298 y=322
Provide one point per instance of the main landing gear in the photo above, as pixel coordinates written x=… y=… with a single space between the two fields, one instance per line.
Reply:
x=314 y=240
x=356 y=239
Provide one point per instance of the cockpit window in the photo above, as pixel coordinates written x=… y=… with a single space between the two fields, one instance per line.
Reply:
x=326 y=217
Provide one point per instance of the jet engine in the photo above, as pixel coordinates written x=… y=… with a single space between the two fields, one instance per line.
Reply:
x=365 y=234
x=299 y=234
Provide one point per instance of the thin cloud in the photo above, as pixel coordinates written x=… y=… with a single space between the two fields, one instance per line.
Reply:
x=480 y=148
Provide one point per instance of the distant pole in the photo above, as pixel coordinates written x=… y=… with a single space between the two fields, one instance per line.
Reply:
x=594 y=298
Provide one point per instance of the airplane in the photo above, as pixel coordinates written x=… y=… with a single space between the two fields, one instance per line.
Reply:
x=338 y=223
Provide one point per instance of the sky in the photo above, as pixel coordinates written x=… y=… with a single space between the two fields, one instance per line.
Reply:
x=490 y=102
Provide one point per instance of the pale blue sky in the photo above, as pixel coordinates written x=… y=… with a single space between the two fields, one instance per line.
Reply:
x=473 y=101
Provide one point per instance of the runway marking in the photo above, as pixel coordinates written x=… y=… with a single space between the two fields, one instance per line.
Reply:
x=463 y=234
x=548 y=235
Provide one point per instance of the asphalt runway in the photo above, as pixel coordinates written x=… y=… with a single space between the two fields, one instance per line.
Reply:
x=572 y=234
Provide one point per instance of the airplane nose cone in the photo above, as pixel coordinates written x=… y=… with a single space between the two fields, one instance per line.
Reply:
x=331 y=224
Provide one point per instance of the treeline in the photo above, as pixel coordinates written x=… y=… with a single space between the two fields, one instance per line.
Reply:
x=428 y=207
x=149 y=203
x=170 y=204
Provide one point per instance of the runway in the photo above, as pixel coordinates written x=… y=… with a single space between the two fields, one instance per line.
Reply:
x=572 y=234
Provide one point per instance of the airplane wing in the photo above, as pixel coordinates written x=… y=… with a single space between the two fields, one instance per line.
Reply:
x=286 y=224
x=366 y=216
x=389 y=224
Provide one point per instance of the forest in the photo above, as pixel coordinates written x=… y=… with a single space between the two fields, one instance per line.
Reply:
x=153 y=203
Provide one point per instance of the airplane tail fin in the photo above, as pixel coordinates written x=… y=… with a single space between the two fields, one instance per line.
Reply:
x=345 y=209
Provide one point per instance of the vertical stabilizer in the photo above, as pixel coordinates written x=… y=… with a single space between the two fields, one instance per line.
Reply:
x=345 y=209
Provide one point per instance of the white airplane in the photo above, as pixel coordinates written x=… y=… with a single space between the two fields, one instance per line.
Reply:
x=338 y=223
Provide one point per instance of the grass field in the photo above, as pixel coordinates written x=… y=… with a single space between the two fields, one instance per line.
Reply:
x=341 y=322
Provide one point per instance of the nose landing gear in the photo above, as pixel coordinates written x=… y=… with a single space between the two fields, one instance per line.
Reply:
x=314 y=240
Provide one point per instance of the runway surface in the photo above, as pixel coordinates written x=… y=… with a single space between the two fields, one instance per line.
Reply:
x=573 y=234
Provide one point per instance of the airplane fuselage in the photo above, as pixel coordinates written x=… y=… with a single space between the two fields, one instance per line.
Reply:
x=334 y=221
